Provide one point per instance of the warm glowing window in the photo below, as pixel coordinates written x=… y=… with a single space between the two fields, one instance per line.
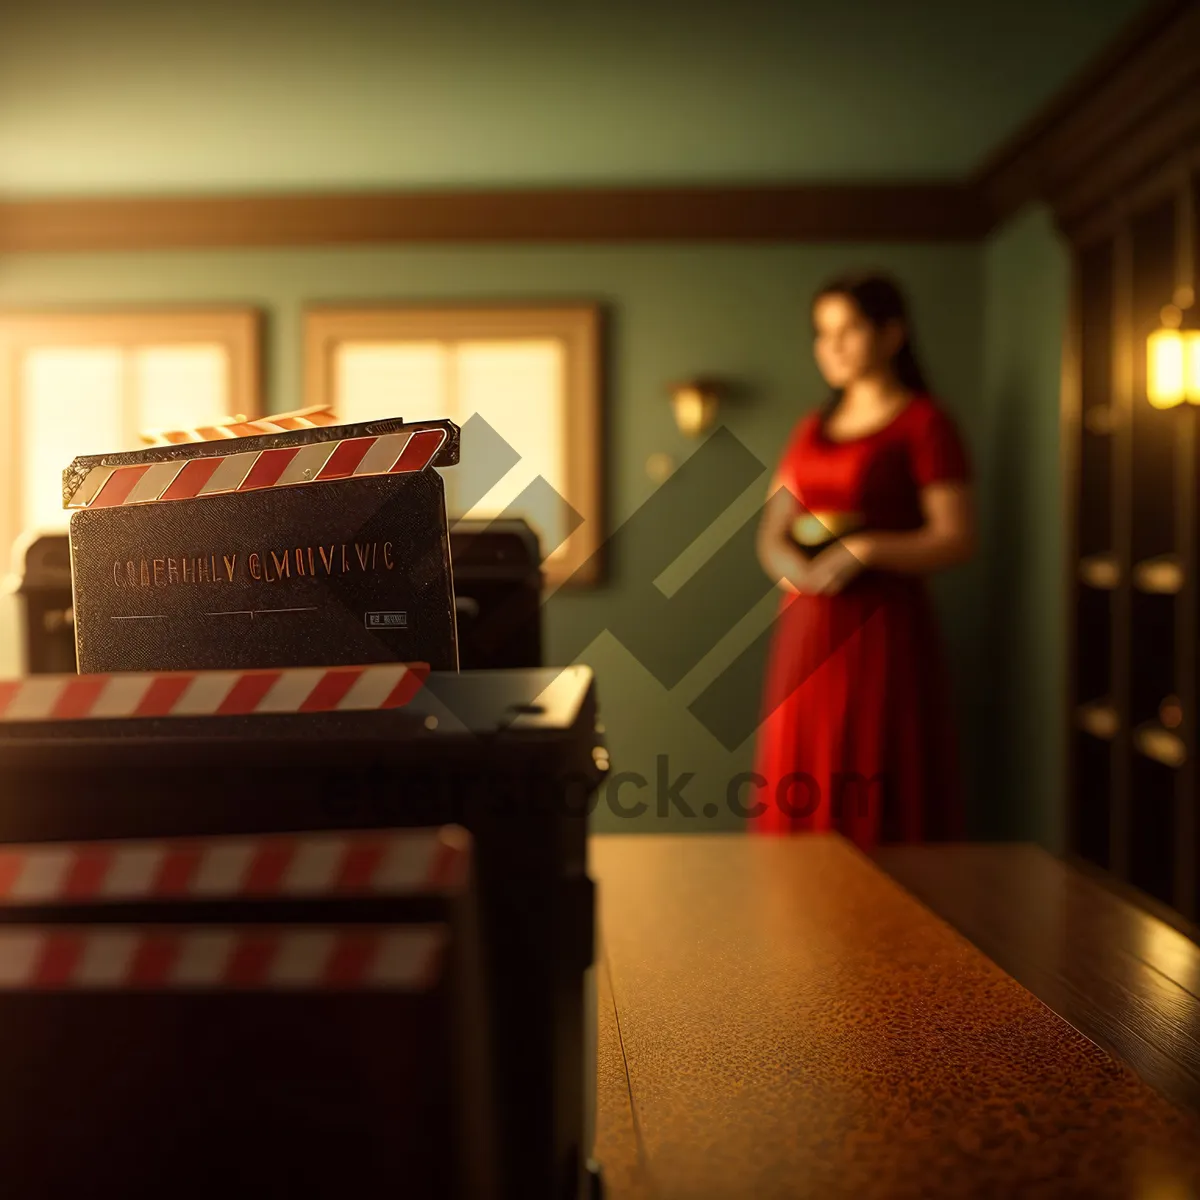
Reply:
x=91 y=383
x=531 y=375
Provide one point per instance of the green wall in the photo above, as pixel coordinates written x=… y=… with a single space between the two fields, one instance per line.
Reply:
x=154 y=96
x=1026 y=286
x=672 y=310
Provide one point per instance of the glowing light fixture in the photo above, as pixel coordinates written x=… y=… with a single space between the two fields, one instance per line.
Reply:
x=695 y=404
x=1173 y=358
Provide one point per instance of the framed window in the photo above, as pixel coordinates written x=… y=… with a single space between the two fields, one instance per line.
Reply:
x=531 y=374
x=90 y=383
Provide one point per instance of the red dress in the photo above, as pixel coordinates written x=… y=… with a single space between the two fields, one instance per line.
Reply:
x=858 y=729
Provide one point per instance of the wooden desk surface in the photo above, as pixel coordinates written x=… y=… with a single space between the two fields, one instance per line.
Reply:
x=780 y=1019
x=1118 y=973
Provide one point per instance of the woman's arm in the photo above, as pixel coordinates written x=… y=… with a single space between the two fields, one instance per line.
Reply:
x=780 y=559
x=947 y=538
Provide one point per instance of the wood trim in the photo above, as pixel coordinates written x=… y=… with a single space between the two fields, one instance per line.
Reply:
x=1124 y=112
x=1143 y=168
x=1070 y=416
x=1185 y=669
x=1188 y=829
x=10 y=486
x=577 y=326
x=803 y=212
x=1135 y=896
x=1186 y=865
x=585 y=443
x=1122 y=527
x=1151 y=189
x=1006 y=168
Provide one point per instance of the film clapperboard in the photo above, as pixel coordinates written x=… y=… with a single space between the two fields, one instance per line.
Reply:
x=514 y=757
x=232 y=720
x=303 y=546
x=276 y=1016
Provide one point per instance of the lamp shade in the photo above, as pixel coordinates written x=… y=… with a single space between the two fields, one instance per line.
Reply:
x=1191 y=365
x=695 y=406
x=1166 y=368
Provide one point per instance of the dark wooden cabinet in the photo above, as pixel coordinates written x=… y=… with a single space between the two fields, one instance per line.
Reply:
x=1116 y=159
x=1133 y=480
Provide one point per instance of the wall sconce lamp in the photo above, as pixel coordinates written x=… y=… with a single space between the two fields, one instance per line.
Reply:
x=1173 y=357
x=695 y=404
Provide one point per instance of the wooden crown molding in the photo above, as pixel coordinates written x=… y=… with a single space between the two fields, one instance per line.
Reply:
x=1135 y=110
x=1126 y=114
x=895 y=212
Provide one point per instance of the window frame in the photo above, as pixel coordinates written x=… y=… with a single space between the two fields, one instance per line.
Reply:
x=236 y=328
x=577 y=326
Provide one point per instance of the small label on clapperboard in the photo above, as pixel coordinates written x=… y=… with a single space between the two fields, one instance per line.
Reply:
x=386 y=620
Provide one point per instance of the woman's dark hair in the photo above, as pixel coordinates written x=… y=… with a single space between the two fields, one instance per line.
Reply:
x=880 y=301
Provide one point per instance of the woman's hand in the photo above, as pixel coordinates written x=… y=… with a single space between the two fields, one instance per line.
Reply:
x=792 y=581
x=837 y=565
x=785 y=566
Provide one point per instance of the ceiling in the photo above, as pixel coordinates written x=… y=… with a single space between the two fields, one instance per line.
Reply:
x=134 y=97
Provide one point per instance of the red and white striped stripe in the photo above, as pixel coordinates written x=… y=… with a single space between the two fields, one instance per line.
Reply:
x=190 y=958
x=231 y=427
x=210 y=693
x=300 y=866
x=254 y=470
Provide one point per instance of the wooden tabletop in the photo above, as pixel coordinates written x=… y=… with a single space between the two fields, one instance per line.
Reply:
x=778 y=1018
x=1126 y=977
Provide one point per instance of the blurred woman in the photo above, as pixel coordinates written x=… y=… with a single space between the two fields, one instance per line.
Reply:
x=871 y=495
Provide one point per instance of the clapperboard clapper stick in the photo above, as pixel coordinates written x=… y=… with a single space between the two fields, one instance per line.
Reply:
x=160 y=694
x=298 y=547
x=512 y=756
x=304 y=1015
x=234 y=427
